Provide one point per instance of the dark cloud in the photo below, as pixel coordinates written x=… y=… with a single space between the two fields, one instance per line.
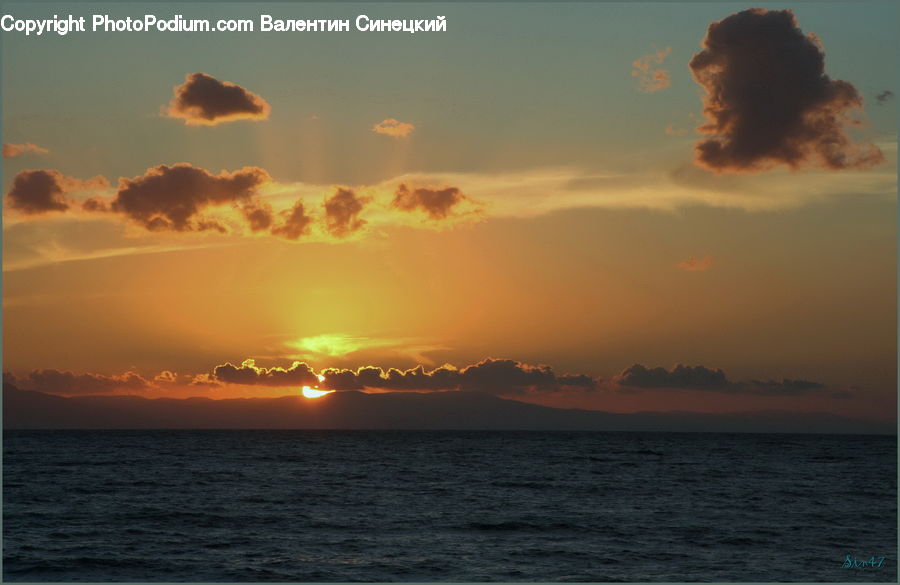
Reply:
x=57 y=382
x=494 y=376
x=172 y=198
x=680 y=377
x=784 y=387
x=437 y=203
x=703 y=378
x=294 y=223
x=38 y=191
x=204 y=100
x=342 y=212
x=258 y=215
x=884 y=97
x=769 y=101
x=248 y=373
x=14 y=150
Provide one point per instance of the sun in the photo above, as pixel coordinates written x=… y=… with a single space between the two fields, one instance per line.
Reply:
x=313 y=391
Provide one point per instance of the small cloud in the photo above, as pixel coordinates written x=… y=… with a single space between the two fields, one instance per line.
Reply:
x=294 y=222
x=693 y=264
x=882 y=98
x=258 y=215
x=437 y=203
x=39 y=191
x=651 y=79
x=672 y=131
x=203 y=100
x=768 y=100
x=166 y=377
x=342 y=212
x=393 y=127
x=14 y=150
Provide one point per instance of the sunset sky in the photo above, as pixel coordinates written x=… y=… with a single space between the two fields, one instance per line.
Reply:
x=534 y=197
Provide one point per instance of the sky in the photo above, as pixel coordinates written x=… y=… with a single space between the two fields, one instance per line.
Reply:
x=586 y=205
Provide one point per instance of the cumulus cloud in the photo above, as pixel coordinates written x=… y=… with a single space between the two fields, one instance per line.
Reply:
x=249 y=374
x=64 y=382
x=693 y=264
x=437 y=203
x=393 y=127
x=203 y=100
x=174 y=197
x=14 y=150
x=650 y=77
x=495 y=376
x=294 y=222
x=702 y=378
x=769 y=101
x=342 y=212
x=258 y=215
x=38 y=191
x=882 y=98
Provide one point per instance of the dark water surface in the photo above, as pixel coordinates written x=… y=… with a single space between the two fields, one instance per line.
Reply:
x=446 y=506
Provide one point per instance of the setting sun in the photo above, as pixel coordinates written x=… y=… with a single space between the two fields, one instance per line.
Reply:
x=309 y=392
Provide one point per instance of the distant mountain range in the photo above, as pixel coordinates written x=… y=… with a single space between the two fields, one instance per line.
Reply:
x=397 y=410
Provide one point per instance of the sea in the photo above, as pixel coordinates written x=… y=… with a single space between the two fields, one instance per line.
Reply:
x=384 y=506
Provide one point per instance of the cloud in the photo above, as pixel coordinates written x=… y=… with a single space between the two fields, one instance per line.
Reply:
x=258 y=215
x=494 y=376
x=882 y=98
x=437 y=203
x=249 y=374
x=294 y=223
x=203 y=100
x=39 y=191
x=702 y=378
x=769 y=101
x=785 y=387
x=693 y=264
x=14 y=150
x=57 y=382
x=649 y=79
x=393 y=127
x=172 y=198
x=342 y=212
x=672 y=131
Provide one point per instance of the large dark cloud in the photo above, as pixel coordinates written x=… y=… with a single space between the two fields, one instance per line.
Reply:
x=173 y=197
x=494 y=376
x=248 y=373
x=294 y=223
x=204 y=100
x=703 y=378
x=768 y=99
x=437 y=203
x=38 y=191
x=60 y=382
x=342 y=212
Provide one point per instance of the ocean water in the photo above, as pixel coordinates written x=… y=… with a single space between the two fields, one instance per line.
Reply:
x=446 y=506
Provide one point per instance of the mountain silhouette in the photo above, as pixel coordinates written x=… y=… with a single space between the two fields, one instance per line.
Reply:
x=452 y=410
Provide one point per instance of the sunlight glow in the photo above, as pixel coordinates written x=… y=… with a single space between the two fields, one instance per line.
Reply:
x=309 y=392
